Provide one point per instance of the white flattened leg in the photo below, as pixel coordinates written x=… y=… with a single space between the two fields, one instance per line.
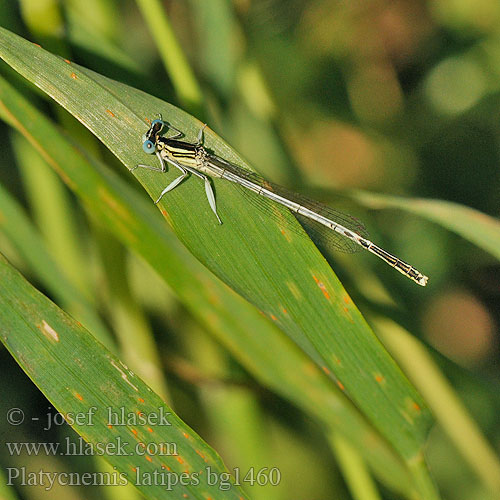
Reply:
x=177 y=165
x=200 y=135
x=176 y=181
x=211 y=198
x=162 y=163
x=208 y=190
x=172 y=185
x=208 y=186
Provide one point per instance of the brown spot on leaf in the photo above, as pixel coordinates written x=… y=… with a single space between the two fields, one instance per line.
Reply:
x=49 y=332
x=322 y=287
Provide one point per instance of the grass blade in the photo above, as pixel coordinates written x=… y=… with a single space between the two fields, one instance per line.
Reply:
x=254 y=341
x=283 y=274
x=51 y=347
x=475 y=226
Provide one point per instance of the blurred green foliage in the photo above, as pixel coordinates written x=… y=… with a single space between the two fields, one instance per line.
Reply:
x=397 y=97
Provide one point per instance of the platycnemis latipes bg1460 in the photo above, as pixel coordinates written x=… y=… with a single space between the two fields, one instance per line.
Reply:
x=195 y=159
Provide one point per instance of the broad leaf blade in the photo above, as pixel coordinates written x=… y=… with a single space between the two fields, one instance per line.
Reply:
x=50 y=347
x=268 y=354
x=282 y=273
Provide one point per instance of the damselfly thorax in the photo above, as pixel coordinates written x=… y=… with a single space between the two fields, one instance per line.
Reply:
x=344 y=231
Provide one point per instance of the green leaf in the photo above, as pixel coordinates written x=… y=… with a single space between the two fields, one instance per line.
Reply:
x=98 y=389
x=253 y=340
x=475 y=226
x=281 y=272
x=16 y=225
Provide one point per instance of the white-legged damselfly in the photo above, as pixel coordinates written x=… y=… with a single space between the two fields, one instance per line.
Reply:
x=195 y=159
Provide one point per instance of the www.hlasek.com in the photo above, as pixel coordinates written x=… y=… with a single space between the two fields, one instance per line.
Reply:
x=20 y=476
x=116 y=447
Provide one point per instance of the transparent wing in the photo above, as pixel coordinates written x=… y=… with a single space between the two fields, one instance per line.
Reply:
x=317 y=232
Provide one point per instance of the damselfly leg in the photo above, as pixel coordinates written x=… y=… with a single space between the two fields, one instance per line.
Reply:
x=162 y=169
x=165 y=151
x=192 y=158
x=174 y=183
x=200 y=135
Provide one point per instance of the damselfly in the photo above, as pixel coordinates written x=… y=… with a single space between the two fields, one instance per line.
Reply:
x=195 y=159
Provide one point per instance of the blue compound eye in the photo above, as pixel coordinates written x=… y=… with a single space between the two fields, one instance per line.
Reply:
x=148 y=147
x=157 y=121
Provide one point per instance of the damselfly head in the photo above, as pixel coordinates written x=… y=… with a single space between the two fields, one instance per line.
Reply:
x=149 y=138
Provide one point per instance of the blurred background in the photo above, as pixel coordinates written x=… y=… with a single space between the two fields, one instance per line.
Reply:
x=331 y=98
